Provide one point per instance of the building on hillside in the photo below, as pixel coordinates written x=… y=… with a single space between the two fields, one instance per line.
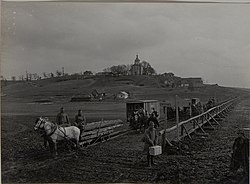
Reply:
x=184 y=83
x=190 y=82
x=104 y=74
x=195 y=81
x=122 y=95
x=136 y=68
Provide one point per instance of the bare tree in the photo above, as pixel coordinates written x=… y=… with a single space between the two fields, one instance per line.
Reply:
x=88 y=72
x=45 y=75
x=147 y=68
x=58 y=73
x=107 y=69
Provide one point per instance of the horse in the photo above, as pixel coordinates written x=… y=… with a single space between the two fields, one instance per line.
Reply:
x=56 y=133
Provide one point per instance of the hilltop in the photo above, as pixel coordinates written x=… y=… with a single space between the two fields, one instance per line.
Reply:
x=139 y=87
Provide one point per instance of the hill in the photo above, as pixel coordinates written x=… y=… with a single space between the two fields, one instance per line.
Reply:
x=139 y=87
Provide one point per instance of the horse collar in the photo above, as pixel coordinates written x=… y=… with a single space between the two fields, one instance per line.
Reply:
x=53 y=131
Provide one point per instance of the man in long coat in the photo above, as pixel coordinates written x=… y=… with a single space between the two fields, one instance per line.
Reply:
x=150 y=138
x=240 y=156
x=62 y=118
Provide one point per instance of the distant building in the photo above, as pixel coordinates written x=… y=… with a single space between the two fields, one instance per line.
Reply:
x=192 y=81
x=104 y=74
x=122 y=95
x=136 y=68
x=184 y=83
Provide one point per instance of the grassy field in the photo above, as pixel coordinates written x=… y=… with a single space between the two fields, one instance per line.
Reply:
x=21 y=97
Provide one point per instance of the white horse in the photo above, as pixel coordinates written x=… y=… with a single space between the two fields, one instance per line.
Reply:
x=56 y=133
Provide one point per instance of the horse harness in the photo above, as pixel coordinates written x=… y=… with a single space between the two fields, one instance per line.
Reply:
x=52 y=132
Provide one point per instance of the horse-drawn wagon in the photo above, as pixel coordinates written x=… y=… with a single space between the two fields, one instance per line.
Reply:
x=136 y=105
x=133 y=108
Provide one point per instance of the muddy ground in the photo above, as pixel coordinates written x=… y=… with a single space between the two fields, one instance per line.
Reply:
x=202 y=159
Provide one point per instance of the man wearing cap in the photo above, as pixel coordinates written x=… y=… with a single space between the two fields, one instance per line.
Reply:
x=80 y=120
x=240 y=153
x=62 y=118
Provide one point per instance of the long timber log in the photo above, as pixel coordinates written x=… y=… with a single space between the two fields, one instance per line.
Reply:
x=101 y=124
x=98 y=131
x=95 y=131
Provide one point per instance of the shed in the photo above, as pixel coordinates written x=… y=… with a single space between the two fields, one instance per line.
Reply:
x=164 y=106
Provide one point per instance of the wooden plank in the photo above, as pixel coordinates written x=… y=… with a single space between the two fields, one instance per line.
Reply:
x=95 y=125
x=214 y=119
x=187 y=132
x=85 y=133
x=95 y=135
x=208 y=121
x=197 y=123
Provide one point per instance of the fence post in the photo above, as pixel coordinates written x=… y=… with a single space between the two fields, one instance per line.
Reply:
x=164 y=135
x=190 y=106
x=177 y=116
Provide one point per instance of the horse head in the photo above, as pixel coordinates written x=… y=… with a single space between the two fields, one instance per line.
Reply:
x=39 y=124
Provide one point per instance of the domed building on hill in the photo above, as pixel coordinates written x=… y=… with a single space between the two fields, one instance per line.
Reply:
x=136 y=68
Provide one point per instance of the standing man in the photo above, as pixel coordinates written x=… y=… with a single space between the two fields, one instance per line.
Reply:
x=80 y=120
x=240 y=153
x=62 y=118
x=155 y=113
x=150 y=138
x=154 y=117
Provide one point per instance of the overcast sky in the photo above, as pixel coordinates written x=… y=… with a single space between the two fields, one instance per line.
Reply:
x=207 y=40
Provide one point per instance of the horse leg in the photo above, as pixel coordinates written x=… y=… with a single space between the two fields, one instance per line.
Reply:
x=77 y=143
x=68 y=145
x=51 y=146
x=55 y=144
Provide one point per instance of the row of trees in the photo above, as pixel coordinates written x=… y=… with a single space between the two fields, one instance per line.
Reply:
x=34 y=76
x=125 y=69
x=117 y=69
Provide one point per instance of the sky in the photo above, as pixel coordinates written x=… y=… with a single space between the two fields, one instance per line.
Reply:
x=211 y=41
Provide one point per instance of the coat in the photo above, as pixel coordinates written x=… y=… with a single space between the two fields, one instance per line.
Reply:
x=150 y=138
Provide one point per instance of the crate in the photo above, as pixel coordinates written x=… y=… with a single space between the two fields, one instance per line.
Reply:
x=155 y=150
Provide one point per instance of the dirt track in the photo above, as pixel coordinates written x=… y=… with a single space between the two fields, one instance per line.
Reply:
x=202 y=160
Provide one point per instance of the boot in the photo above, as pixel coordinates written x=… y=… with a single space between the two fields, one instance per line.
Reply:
x=152 y=160
x=149 y=161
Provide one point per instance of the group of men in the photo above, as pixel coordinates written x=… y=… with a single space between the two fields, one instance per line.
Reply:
x=62 y=119
x=144 y=118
